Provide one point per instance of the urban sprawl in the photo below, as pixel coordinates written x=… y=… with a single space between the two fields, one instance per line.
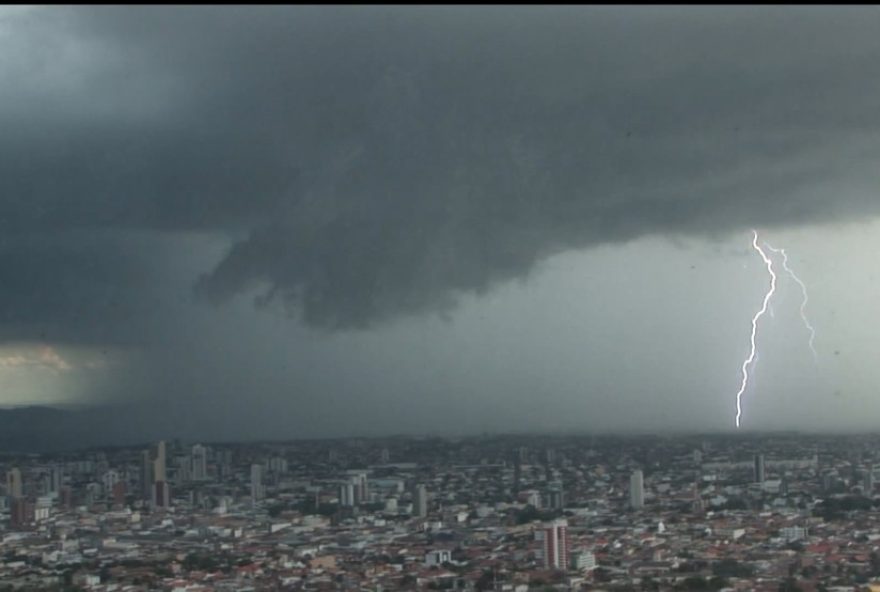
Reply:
x=503 y=513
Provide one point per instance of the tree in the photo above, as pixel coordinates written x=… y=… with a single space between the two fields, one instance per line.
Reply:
x=789 y=585
x=731 y=568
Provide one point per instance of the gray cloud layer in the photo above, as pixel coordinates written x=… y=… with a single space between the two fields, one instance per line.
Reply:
x=379 y=161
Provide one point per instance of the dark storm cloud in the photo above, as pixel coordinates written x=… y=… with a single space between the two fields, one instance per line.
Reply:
x=96 y=288
x=380 y=161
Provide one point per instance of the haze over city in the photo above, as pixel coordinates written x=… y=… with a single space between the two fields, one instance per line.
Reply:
x=280 y=222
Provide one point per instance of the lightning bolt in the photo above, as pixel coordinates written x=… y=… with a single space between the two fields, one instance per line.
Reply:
x=803 y=302
x=758 y=315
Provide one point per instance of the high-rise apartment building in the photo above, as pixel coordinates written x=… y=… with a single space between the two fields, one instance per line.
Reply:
x=555 y=548
x=636 y=490
x=759 y=468
x=14 y=486
x=161 y=495
x=258 y=491
x=346 y=495
x=420 y=501
x=199 y=456
x=160 y=464
x=146 y=475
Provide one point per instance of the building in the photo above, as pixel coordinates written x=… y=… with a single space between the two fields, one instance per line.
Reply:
x=759 y=468
x=531 y=497
x=21 y=512
x=146 y=475
x=159 y=465
x=161 y=494
x=56 y=477
x=555 y=500
x=555 y=546
x=258 y=490
x=438 y=557
x=14 y=488
x=118 y=493
x=359 y=481
x=109 y=480
x=793 y=533
x=420 y=501
x=583 y=561
x=346 y=494
x=199 y=463
x=636 y=490
x=278 y=465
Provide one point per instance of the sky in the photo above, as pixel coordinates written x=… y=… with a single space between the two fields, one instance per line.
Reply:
x=246 y=222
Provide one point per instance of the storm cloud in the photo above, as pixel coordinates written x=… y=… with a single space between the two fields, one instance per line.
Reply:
x=377 y=161
x=358 y=165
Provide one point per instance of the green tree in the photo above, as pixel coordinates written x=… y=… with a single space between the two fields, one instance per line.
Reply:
x=789 y=585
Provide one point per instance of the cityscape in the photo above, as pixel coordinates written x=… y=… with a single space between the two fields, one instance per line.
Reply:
x=479 y=298
x=517 y=513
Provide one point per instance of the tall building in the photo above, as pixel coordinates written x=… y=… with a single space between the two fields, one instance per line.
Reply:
x=21 y=512
x=555 y=499
x=14 y=488
x=159 y=465
x=146 y=475
x=118 y=493
x=636 y=490
x=199 y=463
x=555 y=550
x=257 y=488
x=109 y=480
x=517 y=475
x=759 y=468
x=278 y=465
x=346 y=494
x=868 y=485
x=161 y=495
x=359 y=481
x=420 y=501
x=56 y=476
x=183 y=469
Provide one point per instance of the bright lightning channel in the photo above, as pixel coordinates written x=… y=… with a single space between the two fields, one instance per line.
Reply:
x=745 y=367
x=803 y=302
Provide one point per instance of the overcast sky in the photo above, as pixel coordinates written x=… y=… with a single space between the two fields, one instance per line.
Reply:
x=298 y=221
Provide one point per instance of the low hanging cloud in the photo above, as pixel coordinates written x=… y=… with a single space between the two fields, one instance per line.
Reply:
x=43 y=357
x=373 y=162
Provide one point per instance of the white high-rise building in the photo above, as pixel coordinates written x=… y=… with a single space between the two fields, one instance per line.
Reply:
x=199 y=463
x=636 y=490
x=359 y=481
x=346 y=494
